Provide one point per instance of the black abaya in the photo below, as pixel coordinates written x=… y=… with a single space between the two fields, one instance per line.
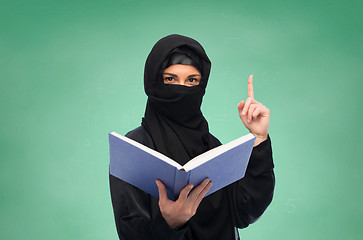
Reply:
x=174 y=125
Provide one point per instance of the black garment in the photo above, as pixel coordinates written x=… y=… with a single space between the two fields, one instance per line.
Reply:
x=173 y=116
x=137 y=214
x=174 y=125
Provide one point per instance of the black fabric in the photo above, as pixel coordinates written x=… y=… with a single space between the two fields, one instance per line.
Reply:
x=173 y=116
x=180 y=58
x=137 y=214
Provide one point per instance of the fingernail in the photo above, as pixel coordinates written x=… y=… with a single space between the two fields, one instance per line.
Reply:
x=243 y=112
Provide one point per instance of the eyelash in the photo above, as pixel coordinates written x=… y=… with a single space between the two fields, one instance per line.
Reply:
x=191 y=80
x=169 y=79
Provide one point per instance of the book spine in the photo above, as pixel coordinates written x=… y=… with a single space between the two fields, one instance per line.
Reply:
x=181 y=180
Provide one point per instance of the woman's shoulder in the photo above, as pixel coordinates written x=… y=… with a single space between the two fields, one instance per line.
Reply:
x=141 y=135
x=214 y=142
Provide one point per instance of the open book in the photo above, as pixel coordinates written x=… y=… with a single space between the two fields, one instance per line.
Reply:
x=140 y=166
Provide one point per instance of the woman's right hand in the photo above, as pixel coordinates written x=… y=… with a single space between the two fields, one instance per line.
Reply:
x=177 y=213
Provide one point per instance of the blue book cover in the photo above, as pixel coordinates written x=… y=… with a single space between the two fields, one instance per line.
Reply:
x=140 y=166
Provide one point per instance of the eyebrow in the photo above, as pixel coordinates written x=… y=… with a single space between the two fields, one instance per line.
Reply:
x=174 y=75
x=170 y=74
x=194 y=75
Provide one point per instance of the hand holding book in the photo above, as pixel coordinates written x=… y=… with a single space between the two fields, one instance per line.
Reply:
x=177 y=213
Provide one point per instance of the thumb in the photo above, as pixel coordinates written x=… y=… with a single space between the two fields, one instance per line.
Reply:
x=162 y=191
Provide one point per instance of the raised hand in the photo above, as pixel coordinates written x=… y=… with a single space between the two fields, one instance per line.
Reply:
x=177 y=213
x=254 y=115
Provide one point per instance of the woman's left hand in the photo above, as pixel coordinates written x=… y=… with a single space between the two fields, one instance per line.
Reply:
x=254 y=115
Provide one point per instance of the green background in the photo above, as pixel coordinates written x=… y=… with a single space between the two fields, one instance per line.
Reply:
x=72 y=71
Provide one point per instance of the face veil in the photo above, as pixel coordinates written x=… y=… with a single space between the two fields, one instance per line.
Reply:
x=173 y=116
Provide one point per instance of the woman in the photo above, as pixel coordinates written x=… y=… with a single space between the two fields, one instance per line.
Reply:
x=175 y=78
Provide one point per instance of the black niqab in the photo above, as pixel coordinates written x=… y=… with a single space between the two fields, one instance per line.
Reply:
x=173 y=116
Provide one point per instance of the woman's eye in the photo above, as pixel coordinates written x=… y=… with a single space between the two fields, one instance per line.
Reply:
x=192 y=80
x=169 y=79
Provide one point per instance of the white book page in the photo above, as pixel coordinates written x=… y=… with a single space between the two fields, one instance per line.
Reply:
x=204 y=157
x=148 y=150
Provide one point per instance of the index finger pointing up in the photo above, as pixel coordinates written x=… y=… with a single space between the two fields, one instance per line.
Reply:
x=250 y=86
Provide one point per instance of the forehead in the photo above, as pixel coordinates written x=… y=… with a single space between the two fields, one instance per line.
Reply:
x=181 y=69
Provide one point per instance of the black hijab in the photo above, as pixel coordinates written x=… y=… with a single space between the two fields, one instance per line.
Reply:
x=173 y=116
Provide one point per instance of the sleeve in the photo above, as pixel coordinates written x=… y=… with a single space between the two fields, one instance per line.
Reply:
x=251 y=195
x=137 y=214
x=133 y=215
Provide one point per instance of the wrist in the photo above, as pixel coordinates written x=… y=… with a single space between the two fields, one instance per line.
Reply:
x=174 y=223
x=259 y=139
